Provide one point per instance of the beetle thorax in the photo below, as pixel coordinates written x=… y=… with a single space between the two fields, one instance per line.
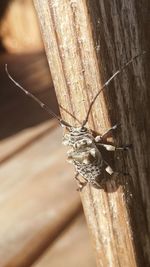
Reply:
x=83 y=154
x=78 y=137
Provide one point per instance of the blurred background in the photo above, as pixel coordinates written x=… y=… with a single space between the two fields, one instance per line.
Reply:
x=41 y=217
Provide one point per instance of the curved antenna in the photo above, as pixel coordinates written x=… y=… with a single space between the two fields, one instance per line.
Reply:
x=106 y=84
x=42 y=105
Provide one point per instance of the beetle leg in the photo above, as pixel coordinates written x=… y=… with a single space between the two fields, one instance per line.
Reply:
x=105 y=134
x=113 y=148
x=81 y=184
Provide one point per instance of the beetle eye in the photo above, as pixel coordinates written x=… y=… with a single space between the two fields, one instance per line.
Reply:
x=83 y=129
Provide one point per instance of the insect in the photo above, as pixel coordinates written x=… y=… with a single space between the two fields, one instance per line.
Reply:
x=85 y=152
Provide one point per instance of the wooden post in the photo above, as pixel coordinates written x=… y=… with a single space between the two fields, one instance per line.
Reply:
x=86 y=41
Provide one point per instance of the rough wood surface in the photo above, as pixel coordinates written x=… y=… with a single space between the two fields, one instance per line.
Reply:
x=85 y=42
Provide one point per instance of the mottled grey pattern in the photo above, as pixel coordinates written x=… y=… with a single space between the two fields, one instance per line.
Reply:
x=85 y=155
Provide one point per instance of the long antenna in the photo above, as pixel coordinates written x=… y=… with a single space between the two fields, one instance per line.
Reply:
x=42 y=105
x=108 y=81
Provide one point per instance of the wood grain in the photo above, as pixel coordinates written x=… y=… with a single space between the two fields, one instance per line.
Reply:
x=36 y=182
x=18 y=142
x=72 y=248
x=85 y=42
x=37 y=199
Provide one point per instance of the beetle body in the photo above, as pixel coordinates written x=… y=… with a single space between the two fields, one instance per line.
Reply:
x=85 y=155
x=85 y=152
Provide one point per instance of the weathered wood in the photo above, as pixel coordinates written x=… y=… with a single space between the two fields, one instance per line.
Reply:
x=86 y=41
x=73 y=241
x=38 y=200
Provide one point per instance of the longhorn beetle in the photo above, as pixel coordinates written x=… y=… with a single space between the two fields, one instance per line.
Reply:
x=84 y=154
